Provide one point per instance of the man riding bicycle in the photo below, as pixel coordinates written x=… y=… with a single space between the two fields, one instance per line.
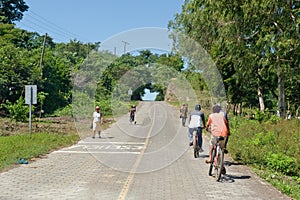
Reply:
x=196 y=121
x=218 y=126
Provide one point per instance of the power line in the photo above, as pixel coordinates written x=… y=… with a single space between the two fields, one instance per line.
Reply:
x=38 y=22
x=55 y=26
x=35 y=29
x=42 y=27
x=52 y=27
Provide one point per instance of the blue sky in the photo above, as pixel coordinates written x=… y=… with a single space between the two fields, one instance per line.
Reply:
x=107 y=21
x=95 y=20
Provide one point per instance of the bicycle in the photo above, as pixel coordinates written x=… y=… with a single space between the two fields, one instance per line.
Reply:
x=217 y=161
x=195 y=144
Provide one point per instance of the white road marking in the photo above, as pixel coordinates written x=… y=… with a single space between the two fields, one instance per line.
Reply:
x=106 y=147
x=97 y=152
x=137 y=143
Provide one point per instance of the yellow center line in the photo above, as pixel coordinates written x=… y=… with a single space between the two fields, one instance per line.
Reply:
x=129 y=179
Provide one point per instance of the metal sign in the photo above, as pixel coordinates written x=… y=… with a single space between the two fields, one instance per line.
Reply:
x=130 y=91
x=30 y=94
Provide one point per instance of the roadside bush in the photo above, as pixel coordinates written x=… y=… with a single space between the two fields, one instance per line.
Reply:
x=105 y=106
x=262 y=139
x=251 y=141
x=281 y=163
x=114 y=107
x=65 y=111
x=17 y=111
x=274 y=119
x=259 y=116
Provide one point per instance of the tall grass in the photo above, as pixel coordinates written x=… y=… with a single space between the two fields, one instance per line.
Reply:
x=271 y=147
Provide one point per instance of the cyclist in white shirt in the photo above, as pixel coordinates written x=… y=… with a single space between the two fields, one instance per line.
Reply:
x=196 y=123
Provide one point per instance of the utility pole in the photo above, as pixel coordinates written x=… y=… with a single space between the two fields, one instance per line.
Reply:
x=125 y=43
x=42 y=55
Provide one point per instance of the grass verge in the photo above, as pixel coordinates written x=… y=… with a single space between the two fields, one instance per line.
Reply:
x=271 y=148
x=289 y=185
x=15 y=147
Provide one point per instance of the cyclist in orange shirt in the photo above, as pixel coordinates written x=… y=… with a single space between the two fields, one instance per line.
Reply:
x=218 y=126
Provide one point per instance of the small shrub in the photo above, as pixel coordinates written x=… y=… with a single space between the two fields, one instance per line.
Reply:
x=281 y=163
x=65 y=111
x=17 y=111
x=264 y=142
x=274 y=119
x=105 y=107
x=260 y=116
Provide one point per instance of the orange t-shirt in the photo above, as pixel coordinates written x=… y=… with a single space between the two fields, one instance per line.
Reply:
x=218 y=124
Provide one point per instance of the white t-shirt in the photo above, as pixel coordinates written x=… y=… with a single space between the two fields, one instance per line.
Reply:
x=97 y=117
x=195 y=119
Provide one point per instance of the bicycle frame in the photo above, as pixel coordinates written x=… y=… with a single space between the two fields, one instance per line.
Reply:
x=217 y=162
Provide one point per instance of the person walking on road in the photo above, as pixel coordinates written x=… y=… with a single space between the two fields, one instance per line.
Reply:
x=184 y=113
x=218 y=126
x=132 y=111
x=196 y=122
x=97 y=121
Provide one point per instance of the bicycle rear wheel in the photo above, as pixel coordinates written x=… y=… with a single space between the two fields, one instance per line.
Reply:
x=219 y=165
x=211 y=164
x=195 y=145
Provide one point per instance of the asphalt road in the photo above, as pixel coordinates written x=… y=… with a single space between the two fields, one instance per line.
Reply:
x=148 y=160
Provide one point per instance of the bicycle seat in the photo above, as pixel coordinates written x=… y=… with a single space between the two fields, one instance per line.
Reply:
x=220 y=138
x=221 y=141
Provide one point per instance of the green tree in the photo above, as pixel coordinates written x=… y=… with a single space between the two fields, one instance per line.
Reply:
x=12 y=10
x=254 y=43
x=173 y=61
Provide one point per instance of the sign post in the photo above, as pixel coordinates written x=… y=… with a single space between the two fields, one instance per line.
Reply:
x=130 y=93
x=30 y=98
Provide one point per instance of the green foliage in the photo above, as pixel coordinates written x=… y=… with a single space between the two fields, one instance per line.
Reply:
x=274 y=119
x=12 y=10
x=65 y=111
x=20 y=53
x=281 y=163
x=265 y=116
x=138 y=72
x=41 y=96
x=17 y=111
x=262 y=139
x=268 y=146
x=253 y=43
x=83 y=105
x=259 y=116
x=105 y=106
x=288 y=185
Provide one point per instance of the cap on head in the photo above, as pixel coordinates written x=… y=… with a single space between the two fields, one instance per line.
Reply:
x=97 y=108
x=198 y=107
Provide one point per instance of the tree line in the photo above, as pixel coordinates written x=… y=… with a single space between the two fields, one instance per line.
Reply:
x=254 y=44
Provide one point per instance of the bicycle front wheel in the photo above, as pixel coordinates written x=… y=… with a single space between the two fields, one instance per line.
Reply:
x=219 y=165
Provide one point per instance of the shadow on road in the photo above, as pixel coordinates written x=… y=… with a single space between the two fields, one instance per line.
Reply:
x=109 y=137
x=230 y=178
x=227 y=178
x=203 y=156
x=228 y=163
